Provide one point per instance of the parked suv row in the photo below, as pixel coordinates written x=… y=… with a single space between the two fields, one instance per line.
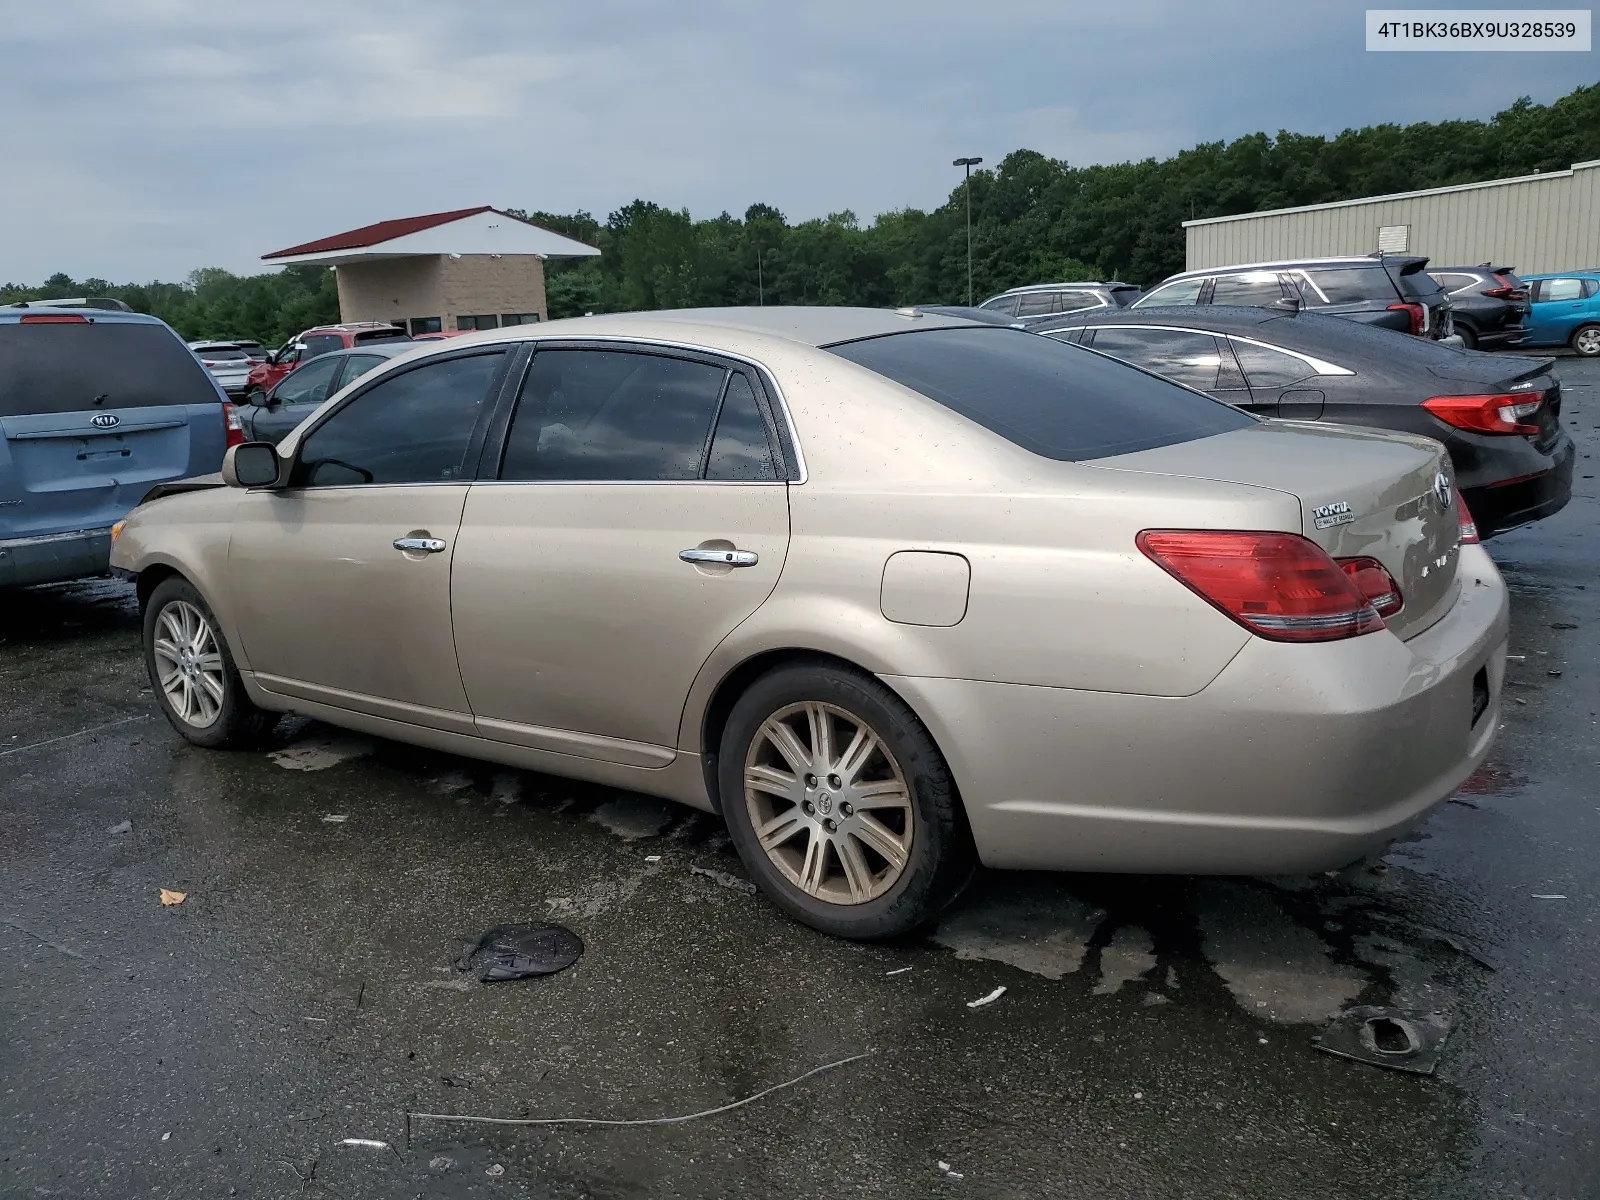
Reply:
x=1392 y=291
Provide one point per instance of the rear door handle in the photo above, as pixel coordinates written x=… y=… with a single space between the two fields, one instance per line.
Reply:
x=419 y=545
x=721 y=558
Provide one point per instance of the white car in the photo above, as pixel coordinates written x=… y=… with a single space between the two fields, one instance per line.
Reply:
x=227 y=362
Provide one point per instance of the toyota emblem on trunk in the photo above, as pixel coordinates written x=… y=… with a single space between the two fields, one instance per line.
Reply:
x=105 y=420
x=1441 y=489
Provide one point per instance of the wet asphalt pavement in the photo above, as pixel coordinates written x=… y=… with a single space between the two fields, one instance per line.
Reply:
x=1154 y=1038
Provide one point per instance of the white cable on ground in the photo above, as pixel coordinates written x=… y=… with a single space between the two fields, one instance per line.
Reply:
x=710 y=1112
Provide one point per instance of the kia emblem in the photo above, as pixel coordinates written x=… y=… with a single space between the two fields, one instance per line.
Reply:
x=105 y=420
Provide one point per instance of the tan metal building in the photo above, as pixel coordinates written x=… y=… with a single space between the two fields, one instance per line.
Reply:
x=1535 y=223
x=473 y=268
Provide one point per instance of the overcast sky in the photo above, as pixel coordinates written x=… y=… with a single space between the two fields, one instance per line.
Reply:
x=144 y=138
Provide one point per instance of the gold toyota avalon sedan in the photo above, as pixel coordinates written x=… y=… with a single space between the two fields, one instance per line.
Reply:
x=893 y=592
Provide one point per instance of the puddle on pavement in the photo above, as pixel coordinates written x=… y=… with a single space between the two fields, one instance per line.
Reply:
x=1130 y=954
x=1044 y=935
x=320 y=753
x=634 y=817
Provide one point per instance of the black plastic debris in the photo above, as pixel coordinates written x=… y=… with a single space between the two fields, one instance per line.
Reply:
x=1400 y=1039
x=521 y=951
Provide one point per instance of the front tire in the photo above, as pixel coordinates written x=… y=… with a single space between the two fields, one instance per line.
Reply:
x=1586 y=341
x=192 y=672
x=1469 y=339
x=840 y=804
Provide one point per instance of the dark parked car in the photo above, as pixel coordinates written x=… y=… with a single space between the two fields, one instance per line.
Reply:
x=1038 y=301
x=1388 y=290
x=1488 y=304
x=96 y=407
x=272 y=414
x=1498 y=417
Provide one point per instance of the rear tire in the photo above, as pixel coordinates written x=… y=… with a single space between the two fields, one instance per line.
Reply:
x=861 y=838
x=192 y=672
x=1469 y=339
x=1586 y=341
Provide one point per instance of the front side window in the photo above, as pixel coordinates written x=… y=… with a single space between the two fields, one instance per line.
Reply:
x=321 y=343
x=1255 y=289
x=612 y=415
x=1182 y=356
x=414 y=427
x=1267 y=368
x=309 y=385
x=1180 y=291
x=1048 y=397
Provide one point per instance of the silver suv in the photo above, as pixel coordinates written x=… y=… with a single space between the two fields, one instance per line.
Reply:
x=1040 y=300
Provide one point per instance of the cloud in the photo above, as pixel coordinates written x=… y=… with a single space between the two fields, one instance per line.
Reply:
x=148 y=137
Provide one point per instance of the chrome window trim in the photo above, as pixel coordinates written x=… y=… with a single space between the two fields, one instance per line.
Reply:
x=1321 y=365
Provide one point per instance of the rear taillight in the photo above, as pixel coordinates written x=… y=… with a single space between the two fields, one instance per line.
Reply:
x=1501 y=413
x=1374 y=582
x=1418 y=314
x=55 y=319
x=1505 y=290
x=230 y=417
x=1279 y=586
x=1469 y=527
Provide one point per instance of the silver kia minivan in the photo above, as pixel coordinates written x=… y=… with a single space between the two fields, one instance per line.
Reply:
x=96 y=408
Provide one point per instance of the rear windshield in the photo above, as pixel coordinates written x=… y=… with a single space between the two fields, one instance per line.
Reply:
x=1056 y=400
x=384 y=335
x=93 y=367
x=1418 y=285
x=229 y=355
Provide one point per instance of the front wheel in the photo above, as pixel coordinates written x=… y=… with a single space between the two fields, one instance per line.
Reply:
x=1469 y=339
x=840 y=804
x=1586 y=341
x=192 y=673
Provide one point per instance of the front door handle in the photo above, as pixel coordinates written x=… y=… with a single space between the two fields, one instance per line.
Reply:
x=419 y=545
x=720 y=558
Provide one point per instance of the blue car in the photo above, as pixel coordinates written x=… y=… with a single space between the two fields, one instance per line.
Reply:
x=96 y=408
x=1565 y=311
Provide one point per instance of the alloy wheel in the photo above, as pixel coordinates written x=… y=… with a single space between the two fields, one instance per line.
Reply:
x=828 y=802
x=189 y=664
x=1587 y=342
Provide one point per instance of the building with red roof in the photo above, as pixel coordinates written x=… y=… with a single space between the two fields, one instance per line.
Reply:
x=472 y=268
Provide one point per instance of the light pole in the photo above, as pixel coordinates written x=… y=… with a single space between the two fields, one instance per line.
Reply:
x=968 y=163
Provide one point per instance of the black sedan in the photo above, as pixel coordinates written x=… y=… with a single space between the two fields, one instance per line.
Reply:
x=270 y=416
x=1498 y=417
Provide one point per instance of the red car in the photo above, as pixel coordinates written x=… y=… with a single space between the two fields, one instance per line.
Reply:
x=320 y=340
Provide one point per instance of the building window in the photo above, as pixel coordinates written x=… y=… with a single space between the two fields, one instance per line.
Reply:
x=425 y=325
x=1392 y=239
x=485 y=321
x=519 y=318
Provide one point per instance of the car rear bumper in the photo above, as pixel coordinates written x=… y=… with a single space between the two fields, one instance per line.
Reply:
x=1505 y=504
x=1295 y=759
x=55 y=556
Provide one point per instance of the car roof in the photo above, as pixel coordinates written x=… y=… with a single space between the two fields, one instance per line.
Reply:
x=818 y=326
x=1332 y=260
x=352 y=327
x=94 y=316
x=219 y=344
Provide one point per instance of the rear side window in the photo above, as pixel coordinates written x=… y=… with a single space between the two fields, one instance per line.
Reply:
x=1048 y=397
x=1350 y=285
x=611 y=415
x=1184 y=357
x=1033 y=304
x=322 y=343
x=49 y=368
x=1004 y=304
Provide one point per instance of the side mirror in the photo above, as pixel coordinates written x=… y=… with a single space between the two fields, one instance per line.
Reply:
x=1288 y=304
x=251 y=465
x=261 y=399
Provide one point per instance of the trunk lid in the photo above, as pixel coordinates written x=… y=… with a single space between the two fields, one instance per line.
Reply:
x=1362 y=493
